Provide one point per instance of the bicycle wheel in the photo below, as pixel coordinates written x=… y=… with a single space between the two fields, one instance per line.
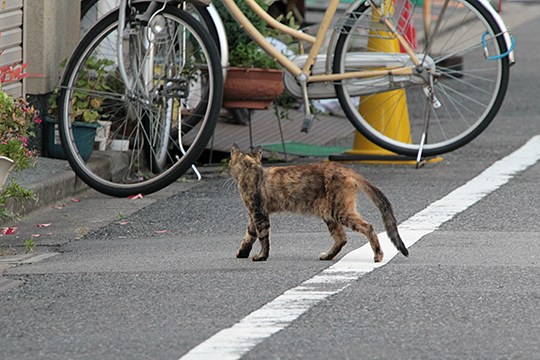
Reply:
x=143 y=143
x=451 y=107
x=93 y=10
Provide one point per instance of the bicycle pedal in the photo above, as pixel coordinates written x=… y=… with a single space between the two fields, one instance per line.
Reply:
x=308 y=122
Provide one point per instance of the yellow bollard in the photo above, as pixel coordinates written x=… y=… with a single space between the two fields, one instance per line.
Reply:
x=377 y=110
x=387 y=112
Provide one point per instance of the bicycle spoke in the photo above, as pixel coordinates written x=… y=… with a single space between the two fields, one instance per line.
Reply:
x=464 y=89
x=141 y=144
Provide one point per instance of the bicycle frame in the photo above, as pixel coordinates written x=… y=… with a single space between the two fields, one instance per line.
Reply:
x=304 y=74
x=153 y=10
x=316 y=43
x=216 y=19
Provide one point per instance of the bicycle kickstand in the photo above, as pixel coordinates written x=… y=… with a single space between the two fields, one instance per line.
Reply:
x=432 y=103
x=309 y=117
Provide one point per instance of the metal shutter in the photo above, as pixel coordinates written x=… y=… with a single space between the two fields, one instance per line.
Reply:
x=11 y=42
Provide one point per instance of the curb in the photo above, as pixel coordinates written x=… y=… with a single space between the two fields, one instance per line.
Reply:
x=51 y=180
x=48 y=190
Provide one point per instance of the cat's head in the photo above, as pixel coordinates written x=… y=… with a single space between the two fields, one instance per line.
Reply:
x=241 y=162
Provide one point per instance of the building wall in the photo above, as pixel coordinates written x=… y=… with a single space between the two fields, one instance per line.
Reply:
x=51 y=32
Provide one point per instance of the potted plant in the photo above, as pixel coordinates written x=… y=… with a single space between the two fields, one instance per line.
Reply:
x=86 y=110
x=16 y=120
x=253 y=77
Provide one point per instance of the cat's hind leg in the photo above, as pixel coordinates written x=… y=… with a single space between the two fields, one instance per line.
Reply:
x=247 y=243
x=355 y=222
x=340 y=239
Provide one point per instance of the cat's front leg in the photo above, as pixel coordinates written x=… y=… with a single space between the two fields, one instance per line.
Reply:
x=247 y=243
x=262 y=224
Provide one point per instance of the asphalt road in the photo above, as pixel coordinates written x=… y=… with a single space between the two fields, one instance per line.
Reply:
x=154 y=278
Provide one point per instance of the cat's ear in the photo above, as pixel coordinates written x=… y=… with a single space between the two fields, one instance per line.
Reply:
x=235 y=149
x=257 y=153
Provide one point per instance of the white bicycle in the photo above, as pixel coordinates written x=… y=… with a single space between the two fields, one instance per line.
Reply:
x=153 y=73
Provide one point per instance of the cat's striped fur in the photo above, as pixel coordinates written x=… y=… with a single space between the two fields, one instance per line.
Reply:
x=327 y=190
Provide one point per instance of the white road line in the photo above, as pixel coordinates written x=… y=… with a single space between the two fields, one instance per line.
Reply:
x=234 y=342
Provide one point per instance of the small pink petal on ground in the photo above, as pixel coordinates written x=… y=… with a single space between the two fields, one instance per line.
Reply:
x=133 y=197
x=161 y=231
x=10 y=230
x=43 y=225
x=75 y=200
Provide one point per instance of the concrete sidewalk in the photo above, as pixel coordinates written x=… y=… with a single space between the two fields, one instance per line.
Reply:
x=50 y=179
x=53 y=180
x=66 y=210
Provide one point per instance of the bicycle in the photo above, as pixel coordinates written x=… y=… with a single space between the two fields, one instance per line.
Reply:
x=444 y=93
x=163 y=79
x=450 y=90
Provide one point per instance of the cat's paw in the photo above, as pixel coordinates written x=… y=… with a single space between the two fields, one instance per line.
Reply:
x=242 y=254
x=378 y=257
x=260 y=257
x=325 y=256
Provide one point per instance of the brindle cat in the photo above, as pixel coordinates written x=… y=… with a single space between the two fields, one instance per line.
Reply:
x=327 y=190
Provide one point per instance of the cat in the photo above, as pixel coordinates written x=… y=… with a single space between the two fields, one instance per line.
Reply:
x=327 y=190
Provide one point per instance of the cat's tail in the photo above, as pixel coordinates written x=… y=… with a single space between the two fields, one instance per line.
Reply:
x=384 y=206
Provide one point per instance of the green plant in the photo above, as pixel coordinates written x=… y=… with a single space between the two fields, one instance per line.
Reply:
x=243 y=51
x=15 y=192
x=29 y=246
x=224 y=165
x=16 y=120
x=248 y=55
x=95 y=78
x=292 y=44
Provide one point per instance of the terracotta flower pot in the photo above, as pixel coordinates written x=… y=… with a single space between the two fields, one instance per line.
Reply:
x=252 y=88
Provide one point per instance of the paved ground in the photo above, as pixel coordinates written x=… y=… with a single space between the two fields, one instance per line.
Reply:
x=156 y=277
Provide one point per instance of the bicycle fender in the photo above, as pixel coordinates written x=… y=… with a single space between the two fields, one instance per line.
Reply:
x=502 y=27
x=223 y=42
x=484 y=3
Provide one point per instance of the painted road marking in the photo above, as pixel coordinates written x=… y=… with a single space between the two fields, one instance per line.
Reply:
x=234 y=342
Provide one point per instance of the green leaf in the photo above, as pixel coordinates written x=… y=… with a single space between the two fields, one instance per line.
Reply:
x=90 y=116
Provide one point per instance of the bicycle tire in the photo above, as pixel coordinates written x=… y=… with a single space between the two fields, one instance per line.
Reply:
x=200 y=12
x=470 y=88
x=197 y=11
x=86 y=5
x=163 y=82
